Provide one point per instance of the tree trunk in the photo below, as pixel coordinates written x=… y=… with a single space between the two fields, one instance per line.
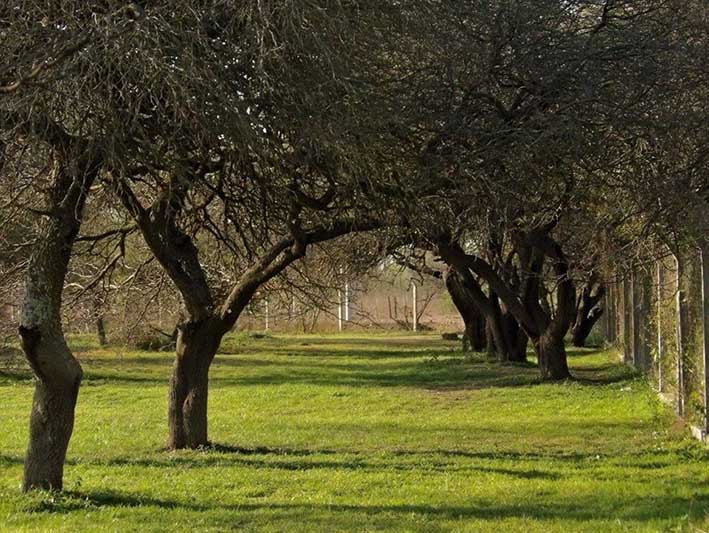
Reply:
x=490 y=338
x=552 y=357
x=52 y=417
x=509 y=338
x=101 y=331
x=474 y=334
x=583 y=327
x=589 y=309
x=517 y=339
x=197 y=344
x=57 y=372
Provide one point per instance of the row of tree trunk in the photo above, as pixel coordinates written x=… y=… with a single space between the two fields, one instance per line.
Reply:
x=491 y=327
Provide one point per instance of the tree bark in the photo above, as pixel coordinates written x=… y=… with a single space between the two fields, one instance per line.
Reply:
x=552 y=357
x=474 y=335
x=584 y=325
x=589 y=309
x=101 y=331
x=197 y=344
x=506 y=333
x=517 y=339
x=490 y=338
x=503 y=337
x=52 y=417
x=58 y=374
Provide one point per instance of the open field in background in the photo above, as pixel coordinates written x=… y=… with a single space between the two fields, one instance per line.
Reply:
x=363 y=432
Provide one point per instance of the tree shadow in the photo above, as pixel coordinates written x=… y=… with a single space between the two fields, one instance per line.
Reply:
x=432 y=371
x=16 y=376
x=8 y=460
x=580 y=509
x=266 y=450
x=301 y=461
x=605 y=374
x=345 y=361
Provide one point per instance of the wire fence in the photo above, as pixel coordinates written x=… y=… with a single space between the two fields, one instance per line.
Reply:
x=658 y=314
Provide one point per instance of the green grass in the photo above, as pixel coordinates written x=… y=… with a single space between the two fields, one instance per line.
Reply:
x=359 y=432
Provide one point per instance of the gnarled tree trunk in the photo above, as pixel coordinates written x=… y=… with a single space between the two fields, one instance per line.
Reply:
x=547 y=331
x=197 y=344
x=503 y=337
x=583 y=327
x=517 y=339
x=552 y=357
x=496 y=324
x=52 y=417
x=474 y=335
x=58 y=374
x=589 y=309
x=490 y=338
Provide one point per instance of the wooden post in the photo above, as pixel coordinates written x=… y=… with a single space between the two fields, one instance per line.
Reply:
x=635 y=318
x=681 y=334
x=660 y=345
x=415 y=306
x=623 y=315
x=606 y=315
x=612 y=317
x=705 y=332
x=620 y=302
x=628 y=308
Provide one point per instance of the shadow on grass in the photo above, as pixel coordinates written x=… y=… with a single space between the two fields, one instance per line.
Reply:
x=357 y=463
x=520 y=464
x=435 y=370
x=661 y=507
x=9 y=460
x=442 y=375
x=265 y=450
x=604 y=374
x=16 y=376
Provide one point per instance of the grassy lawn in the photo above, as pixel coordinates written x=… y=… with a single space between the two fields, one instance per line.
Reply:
x=376 y=432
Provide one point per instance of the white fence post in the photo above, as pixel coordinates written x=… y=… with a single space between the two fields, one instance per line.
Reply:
x=267 y=315
x=347 y=302
x=415 y=307
x=339 y=310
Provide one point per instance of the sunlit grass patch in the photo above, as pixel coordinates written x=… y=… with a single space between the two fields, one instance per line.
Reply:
x=358 y=432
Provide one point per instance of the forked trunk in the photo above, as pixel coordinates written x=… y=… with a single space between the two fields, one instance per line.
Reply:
x=474 y=334
x=583 y=326
x=589 y=309
x=516 y=339
x=197 y=344
x=510 y=341
x=551 y=352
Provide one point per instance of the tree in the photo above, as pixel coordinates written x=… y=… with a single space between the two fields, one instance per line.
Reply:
x=268 y=174
x=64 y=171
